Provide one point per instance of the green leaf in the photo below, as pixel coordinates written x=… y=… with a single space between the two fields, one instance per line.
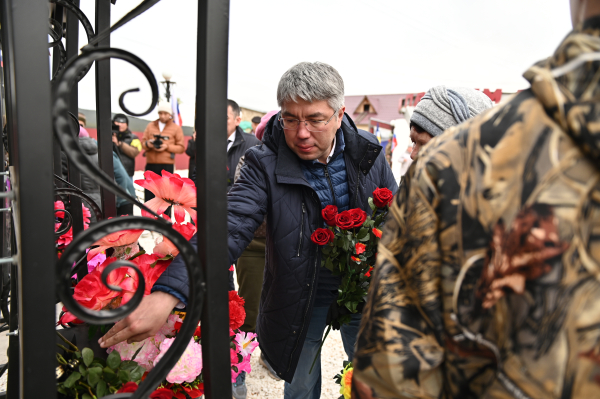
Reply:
x=137 y=254
x=124 y=376
x=137 y=373
x=82 y=370
x=109 y=375
x=73 y=378
x=372 y=204
x=329 y=264
x=62 y=390
x=114 y=360
x=128 y=250
x=86 y=396
x=128 y=365
x=365 y=238
x=101 y=389
x=137 y=352
x=362 y=233
x=94 y=375
x=88 y=356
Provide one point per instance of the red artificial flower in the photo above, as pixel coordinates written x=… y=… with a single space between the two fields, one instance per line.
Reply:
x=166 y=247
x=170 y=190
x=329 y=213
x=377 y=233
x=151 y=267
x=344 y=220
x=231 y=268
x=196 y=392
x=322 y=236
x=129 y=387
x=162 y=393
x=354 y=258
x=198 y=332
x=368 y=273
x=86 y=216
x=177 y=326
x=358 y=217
x=237 y=313
x=382 y=197
x=360 y=248
x=233 y=356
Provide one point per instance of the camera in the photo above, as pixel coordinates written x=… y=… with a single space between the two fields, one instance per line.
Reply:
x=158 y=140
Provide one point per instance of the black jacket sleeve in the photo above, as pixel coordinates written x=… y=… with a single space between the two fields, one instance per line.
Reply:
x=246 y=209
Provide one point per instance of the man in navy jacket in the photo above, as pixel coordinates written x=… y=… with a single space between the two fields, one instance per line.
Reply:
x=312 y=156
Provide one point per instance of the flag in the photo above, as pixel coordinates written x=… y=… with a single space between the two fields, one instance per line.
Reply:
x=378 y=134
x=175 y=108
x=394 y=141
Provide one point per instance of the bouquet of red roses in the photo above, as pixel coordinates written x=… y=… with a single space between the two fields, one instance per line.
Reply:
x=349 y=247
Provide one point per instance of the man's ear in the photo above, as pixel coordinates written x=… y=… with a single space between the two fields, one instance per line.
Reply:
x=238 y=120
x=340 y=115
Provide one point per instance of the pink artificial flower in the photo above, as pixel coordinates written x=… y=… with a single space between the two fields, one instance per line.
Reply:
x=244 y=365
x=189 y=366
x=170 y=190
x=98 y=259
x=146 y=356
x=246 y=343
x=166 y=247
x=86 y=216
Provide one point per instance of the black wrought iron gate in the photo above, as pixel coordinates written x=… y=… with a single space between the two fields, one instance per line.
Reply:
x=38 y=125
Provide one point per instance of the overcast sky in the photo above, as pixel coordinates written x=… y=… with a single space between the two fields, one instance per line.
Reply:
x=378 y=46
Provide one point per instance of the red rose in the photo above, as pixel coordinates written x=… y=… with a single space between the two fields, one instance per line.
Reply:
x=177 y=326
x=354 y=258
x=322 y=236
x=128 y=387
x=329 y=214
x=344 y=220
x=198 y=332
x=360 y=248
x=358 y=217
x=382 y=197
x=377 y=233
x=368 y=274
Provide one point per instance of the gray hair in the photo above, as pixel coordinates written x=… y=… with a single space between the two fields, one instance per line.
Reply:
x=311 y=81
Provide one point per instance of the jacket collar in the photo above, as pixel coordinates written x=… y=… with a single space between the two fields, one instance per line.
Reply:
x=359 y=151
x=239 y=137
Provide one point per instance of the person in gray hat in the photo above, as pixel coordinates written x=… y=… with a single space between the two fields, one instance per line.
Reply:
x=442 y=107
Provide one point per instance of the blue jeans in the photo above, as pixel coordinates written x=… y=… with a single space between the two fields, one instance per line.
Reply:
x=308 y=386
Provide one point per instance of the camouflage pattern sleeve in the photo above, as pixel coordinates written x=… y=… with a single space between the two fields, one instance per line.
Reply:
x=398 y=348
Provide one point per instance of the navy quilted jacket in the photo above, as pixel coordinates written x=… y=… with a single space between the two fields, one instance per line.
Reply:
x=272 y=183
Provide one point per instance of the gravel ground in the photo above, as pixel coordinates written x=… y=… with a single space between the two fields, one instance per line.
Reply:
x=258 y=382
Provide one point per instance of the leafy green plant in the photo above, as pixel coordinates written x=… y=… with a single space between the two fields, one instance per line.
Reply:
x=87 y=377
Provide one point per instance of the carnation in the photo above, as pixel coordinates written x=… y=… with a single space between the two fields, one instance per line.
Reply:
x=147 y=356
x=237 y=313
x=246 y=343
x=189 y=366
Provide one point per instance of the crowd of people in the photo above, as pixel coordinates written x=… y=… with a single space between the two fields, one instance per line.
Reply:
x=486 y=280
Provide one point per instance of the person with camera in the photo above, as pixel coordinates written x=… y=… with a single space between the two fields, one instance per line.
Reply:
x=162 y=139
x=128 y=144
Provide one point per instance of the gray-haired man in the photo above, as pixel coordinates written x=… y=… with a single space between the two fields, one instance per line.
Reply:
x=442 y=107
x=312 y=156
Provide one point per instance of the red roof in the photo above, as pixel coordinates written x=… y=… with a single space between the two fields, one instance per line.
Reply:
x=385 y=107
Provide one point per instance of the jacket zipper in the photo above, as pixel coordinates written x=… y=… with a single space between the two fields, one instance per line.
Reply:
x=312 y=285
x=330 y=184
x=301 y=229
x=358 y=180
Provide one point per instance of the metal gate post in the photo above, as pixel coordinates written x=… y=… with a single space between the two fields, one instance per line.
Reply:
x=103 y=116
x=72 y=48
x=211 y=117
x=32 y=178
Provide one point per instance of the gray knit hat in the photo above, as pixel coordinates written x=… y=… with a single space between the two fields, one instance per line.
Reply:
x=442 y=107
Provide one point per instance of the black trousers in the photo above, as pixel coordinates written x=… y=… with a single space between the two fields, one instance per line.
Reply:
x=158 y=168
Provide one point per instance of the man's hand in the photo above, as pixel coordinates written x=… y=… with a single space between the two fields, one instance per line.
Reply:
x=162 y=147
x=144 y=322
x=114 y=139
x=194 y=136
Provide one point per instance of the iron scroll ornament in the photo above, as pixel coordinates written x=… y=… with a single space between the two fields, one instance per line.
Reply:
x=195 y=298
x=64 y=130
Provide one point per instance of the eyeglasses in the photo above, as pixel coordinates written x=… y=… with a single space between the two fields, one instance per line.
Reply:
x=311 y=125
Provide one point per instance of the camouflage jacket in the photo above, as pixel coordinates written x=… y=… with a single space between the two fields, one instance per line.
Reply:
x=488 y=278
